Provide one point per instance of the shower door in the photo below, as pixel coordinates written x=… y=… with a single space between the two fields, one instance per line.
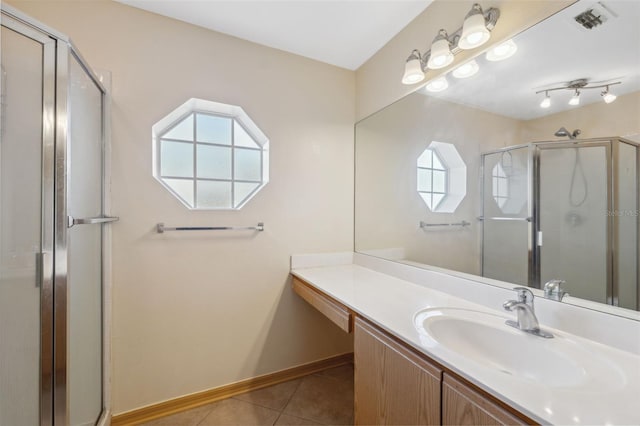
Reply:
x=573 y=224
x=26 y=224
x=51 y=212
x=506 y=215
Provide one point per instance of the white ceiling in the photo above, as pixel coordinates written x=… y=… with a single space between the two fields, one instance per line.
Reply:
x=345 y=33
x=551 y=54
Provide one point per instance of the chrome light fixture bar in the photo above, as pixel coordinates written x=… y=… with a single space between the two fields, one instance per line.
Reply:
x=474 y=32
x=576 y=86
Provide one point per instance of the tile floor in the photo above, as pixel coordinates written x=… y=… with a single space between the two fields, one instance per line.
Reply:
x=324 y=398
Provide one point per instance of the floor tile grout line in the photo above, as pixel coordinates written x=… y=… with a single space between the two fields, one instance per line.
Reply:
x=293 y=393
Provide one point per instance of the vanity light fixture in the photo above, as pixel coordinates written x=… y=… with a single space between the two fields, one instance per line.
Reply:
x=546 y=102
x=466 y=70
x=474 y=32
x=413 y=69
x=575 y=99
x=576 y=86
x=607 y=96
x=502 y=51
x=474 y=29
x=441 y=55
x=437 y=85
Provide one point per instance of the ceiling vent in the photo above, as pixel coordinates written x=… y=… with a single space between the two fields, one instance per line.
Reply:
x=594 y=16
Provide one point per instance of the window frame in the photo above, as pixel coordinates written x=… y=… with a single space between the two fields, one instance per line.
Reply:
x=191 y=110
x=430 y=193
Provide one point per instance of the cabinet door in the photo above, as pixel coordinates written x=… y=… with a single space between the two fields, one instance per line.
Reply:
x=393 y=386
x=461 y=405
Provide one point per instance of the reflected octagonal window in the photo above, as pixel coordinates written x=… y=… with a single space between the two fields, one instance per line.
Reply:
x=210 y=155
x=442 y=177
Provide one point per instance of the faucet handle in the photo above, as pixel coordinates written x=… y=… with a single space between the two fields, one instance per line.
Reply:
x=524 y=295
x=553 y=290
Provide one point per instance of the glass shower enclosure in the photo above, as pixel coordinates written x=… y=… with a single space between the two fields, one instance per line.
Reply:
x=564 y=210
x=51 y=245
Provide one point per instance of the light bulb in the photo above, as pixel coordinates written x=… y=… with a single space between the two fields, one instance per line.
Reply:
x=502 y=51
x=466 y=70
x=437 y=85
x=607 y=96
x=440 y=55
x=474 y=29
x=546 y=102
x=575 y=99
x=413 y=69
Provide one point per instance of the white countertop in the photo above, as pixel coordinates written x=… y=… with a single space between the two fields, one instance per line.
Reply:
x=391 y=303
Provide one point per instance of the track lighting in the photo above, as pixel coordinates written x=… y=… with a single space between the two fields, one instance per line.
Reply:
x=474 y=29
x=576 y=86
x=575 y=99
x=607 y=96
x=474 y=32
x=466 y=70
x=546 y=102
x=440 y=55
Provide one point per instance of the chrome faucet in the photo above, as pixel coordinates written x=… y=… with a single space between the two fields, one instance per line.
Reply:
x=527 y=320
x=553 y=290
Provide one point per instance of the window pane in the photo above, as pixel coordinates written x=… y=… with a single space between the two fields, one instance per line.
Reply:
x=214 y=195
x=242 y=191
x=425 y=159
x=502 y=188
x=241 y=137
x=436 y=200
x=214 y=129
x=183 y=188
x=439 y=178
x=247 y=165
x=214 y=162
x=427 y=199
x=437 y=164
x=183 y=130
x=424 y=180
x=176 y=159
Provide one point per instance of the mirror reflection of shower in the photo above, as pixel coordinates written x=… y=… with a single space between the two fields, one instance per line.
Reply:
x=578 y=223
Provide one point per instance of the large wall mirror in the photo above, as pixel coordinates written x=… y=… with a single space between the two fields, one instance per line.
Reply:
x=526 y=171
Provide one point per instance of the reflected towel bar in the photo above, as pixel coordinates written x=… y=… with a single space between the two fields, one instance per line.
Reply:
x=426 y=225
x=528 y=219
x=161 y=228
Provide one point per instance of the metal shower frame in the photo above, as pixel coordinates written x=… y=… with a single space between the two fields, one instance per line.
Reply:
x=533 y=206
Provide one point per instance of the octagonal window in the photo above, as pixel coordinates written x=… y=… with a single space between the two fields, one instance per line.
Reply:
x=432 y=178
x=500 y=185
x=442 y=177
x=509 y=181
x=210 y=155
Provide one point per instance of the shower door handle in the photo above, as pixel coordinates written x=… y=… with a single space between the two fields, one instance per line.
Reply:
x=90 y=220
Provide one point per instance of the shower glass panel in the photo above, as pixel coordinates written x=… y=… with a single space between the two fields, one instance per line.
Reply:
x=84 y=285
x=626 y=216
x=506 y=225
x=573 y=203
x=21 y=130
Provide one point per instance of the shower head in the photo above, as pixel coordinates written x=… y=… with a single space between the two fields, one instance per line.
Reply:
x=563 y=133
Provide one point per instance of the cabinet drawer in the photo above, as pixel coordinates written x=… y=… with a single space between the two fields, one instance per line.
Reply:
x=462 y=405
x=337 y=313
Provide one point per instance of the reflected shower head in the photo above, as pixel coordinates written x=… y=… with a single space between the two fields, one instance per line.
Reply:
x=563 y=133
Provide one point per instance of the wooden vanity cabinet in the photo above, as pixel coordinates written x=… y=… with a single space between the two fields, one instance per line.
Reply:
x=463 y=405
x=393 y=385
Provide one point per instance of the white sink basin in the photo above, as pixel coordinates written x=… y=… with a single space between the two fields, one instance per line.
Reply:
x=484 y=338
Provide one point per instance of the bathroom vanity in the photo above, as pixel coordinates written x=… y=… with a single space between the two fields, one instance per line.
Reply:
x=431 y=348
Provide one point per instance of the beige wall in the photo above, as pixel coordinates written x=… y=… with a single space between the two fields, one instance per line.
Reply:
x=196 y=311
x=378 y=80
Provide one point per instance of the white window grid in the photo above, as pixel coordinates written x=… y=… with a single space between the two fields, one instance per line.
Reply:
x=437 y=166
